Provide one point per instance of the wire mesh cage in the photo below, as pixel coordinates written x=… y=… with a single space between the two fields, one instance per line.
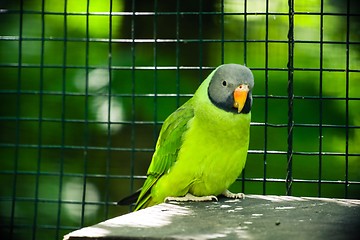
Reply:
x=86 y=86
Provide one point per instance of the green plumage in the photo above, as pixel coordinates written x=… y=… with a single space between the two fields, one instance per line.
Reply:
x=201 y=148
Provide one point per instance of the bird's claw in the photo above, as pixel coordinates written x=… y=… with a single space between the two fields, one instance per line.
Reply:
x=229 y=194
x=189 y=197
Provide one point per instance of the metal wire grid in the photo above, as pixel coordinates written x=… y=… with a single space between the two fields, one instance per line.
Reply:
x=35 y=226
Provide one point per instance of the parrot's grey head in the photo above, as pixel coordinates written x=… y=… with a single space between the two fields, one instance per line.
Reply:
x=230 y=88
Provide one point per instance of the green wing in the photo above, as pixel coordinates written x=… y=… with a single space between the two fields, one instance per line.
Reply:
x=166 y=150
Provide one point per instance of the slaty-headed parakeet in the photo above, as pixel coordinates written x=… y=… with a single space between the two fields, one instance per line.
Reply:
x=202 y=146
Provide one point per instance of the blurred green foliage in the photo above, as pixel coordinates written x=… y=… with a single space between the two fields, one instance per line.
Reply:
x=82 y=103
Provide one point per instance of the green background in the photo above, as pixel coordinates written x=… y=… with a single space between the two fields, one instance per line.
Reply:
x=84 y=95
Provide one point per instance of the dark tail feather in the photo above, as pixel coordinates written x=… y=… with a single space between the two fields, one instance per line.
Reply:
x=130 y=199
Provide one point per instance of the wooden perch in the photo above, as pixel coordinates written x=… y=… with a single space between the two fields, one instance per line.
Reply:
x=256 y=217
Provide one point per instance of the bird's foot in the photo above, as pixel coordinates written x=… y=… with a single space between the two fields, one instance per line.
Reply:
x=189 y=197
x=229 y=194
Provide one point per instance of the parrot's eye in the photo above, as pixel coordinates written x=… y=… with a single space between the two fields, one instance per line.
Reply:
x=224 y=83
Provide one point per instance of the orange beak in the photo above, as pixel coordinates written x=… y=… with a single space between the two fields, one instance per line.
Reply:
x=240 y=95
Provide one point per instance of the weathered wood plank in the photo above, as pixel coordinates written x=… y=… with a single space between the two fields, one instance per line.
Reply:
x=256 y=217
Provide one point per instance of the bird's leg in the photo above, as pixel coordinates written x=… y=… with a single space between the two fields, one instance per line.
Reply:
x=189 y=197
x=229 y=194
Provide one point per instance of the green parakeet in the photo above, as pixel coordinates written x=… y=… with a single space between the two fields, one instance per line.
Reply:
x=202 y=146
